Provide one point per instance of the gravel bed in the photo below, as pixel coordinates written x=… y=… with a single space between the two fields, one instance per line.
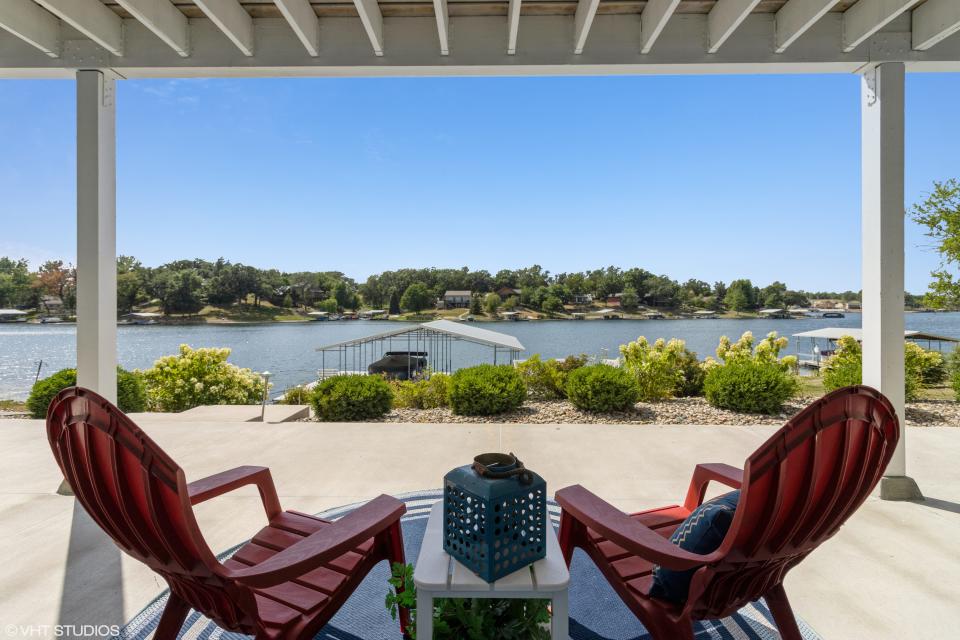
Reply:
x=691 y=411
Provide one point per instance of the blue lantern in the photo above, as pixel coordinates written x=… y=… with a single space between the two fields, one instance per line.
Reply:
x=495 y=515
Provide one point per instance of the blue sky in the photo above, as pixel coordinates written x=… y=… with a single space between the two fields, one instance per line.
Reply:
x=707 y=177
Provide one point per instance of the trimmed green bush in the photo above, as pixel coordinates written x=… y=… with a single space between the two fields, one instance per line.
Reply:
x=131 y=395
x=547 y=379
x=486 y=390
x=430 y=393
x=693 y=375
x=348 y=398
x=601 y=388
x=750 y=386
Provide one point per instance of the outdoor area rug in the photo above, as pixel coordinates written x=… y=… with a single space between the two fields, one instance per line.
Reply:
x=596 y=612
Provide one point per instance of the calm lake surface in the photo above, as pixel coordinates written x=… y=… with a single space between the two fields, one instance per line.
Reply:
x=289 y=350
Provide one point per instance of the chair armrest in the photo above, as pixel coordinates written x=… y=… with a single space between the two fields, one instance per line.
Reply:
x=703 y=474
x=326 y=544
x=621 y=529
x=226 y=481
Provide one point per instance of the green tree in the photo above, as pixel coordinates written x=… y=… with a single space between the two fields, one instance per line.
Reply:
x=740 y=296
x=511 y=303
x=552 y=304
x=629 y=299
x=394 y=303
x=329 y=305
x=940 y=214
x=416 y=298
x=491 y=302
x=476 y=305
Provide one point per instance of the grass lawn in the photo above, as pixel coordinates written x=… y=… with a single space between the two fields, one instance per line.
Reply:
x=12 y=405
x=813 y=386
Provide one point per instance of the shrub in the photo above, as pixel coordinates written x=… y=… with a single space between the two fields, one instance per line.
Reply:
x=347 y=398
x=601 y=387
x=845 y=367
x=749 y=386
x=751 y=379
x=296 y=395
x=547 y=379
x=430 y=393
x=131 y=397
x=486 y=390
x=196 y=377
x=929 y=365
x=955 y=383
x=663 y=369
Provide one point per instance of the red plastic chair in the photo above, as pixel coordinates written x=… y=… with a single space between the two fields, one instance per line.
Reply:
x=287 y=582
x=797 y=489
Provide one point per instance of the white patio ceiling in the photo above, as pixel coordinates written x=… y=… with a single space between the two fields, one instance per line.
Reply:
x=144 y=38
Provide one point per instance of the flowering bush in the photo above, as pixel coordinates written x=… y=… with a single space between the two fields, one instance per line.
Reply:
x=196 y=377
x=748 y=378
x=845 y=367
x=429 y=393
x=547 y=379
x=661 y=369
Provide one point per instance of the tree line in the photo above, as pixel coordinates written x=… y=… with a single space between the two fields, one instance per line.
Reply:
x=186 y=286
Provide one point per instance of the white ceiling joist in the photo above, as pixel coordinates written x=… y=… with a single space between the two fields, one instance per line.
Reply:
x=443 y=25
x=865 y=18
x=653 y=19
x=724 y=19
x=372 y=20
x=92 y=19
x=27 y=21
x=164 y=19
x=794 y=18
x=933 y=21
x=304 y=22
x=582 y=21
x=232 y=19
x=513 y=26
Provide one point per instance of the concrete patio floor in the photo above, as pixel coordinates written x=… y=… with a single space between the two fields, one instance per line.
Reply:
x=892 y=572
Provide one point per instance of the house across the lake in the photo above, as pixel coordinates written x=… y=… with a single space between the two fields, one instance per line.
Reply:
x=457 y=299
x=582 y=298
x=506 y=292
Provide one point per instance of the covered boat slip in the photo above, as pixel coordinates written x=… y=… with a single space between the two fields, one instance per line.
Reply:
x=422 y=347
x=822 y=342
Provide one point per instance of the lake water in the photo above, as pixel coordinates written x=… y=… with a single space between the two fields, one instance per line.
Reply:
x=289 y=350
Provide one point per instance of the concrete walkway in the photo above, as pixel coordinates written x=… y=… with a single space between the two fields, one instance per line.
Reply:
x=892 y=572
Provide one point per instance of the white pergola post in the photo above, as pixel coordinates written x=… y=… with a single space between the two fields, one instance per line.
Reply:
x=882 y=202
x=96 y=234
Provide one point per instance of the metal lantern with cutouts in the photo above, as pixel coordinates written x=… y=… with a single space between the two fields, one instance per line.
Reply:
x=495 y=515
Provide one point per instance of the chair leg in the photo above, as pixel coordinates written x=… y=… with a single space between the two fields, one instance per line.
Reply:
x=782 y=613
x=566 y=536
x=172 y=619
x=663 y=628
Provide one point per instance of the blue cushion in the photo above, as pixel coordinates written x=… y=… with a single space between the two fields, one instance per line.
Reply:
x=702 y=532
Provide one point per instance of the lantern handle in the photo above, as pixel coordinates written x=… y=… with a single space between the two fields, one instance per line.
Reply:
x=509 y=464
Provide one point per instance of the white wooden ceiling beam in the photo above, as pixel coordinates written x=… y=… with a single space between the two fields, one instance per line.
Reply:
x=582 y=21
x=92 y=19
x=865 y=18
x=304 y=22
x=232 y=19
x=164 y=19
x=443 y=25
x=653 y=19
x=724 y=19
x=794 y=18
x=372 y=21
x=513 y=26
x=933 y=21
x=30 y=23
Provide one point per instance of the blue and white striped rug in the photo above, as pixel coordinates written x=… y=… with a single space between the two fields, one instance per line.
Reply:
x=596 y=612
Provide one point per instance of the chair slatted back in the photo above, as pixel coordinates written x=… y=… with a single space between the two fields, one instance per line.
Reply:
x=137 y=494
x=799 y=487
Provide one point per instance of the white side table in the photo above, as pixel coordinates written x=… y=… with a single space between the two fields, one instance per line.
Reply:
x=438 y=575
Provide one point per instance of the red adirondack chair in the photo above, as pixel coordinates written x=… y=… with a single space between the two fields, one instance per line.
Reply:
x=287 y=582
x=797 y=489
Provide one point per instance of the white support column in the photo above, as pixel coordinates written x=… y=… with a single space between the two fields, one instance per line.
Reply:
x=882 y=202
x=96 y=234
